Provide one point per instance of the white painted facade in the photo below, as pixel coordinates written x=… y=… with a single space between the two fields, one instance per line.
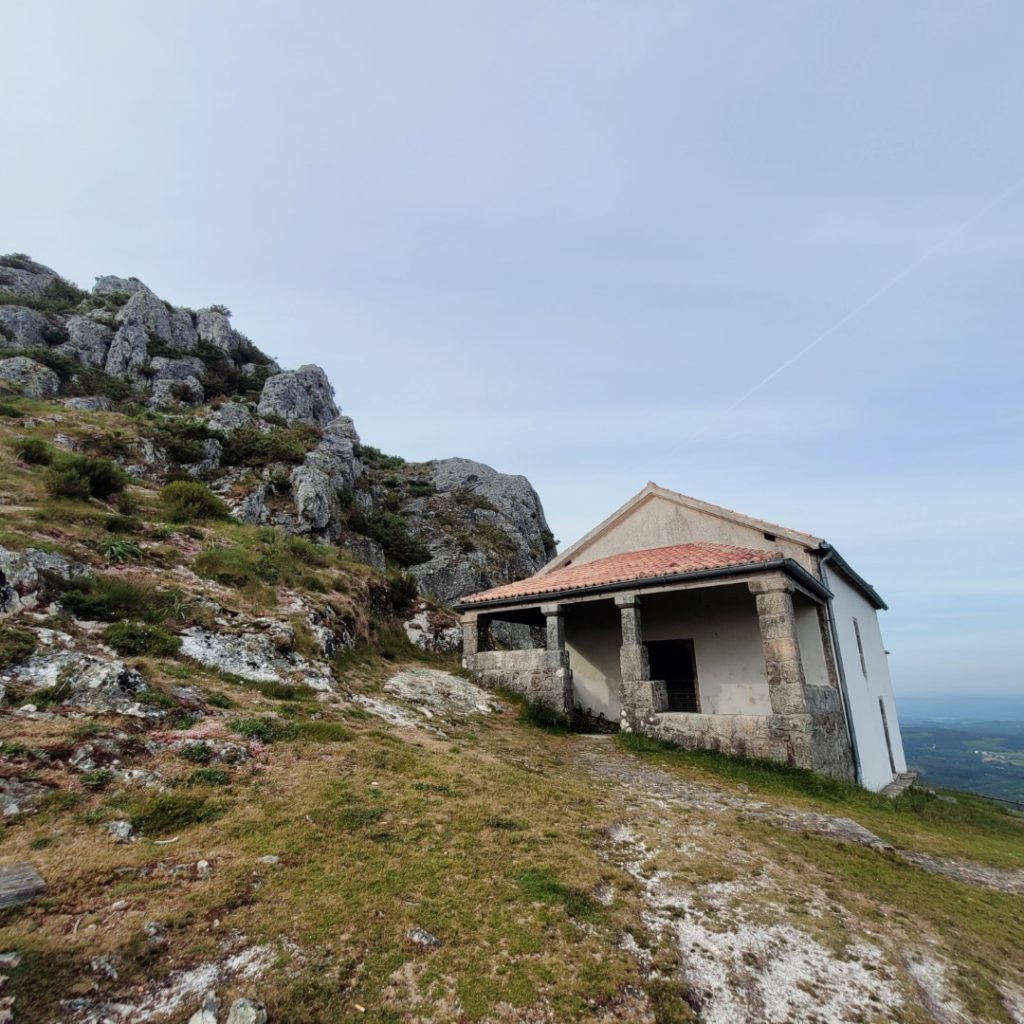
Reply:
x=868 y=685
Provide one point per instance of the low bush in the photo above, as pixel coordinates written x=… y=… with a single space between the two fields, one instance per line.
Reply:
x=544 y=717
x=34 y=450
x=186 y=501
x=219 y=700
x=197 y=753
x=403 y=590
x=84 y=476
x=98 y=778
x=268 y=557
x=15 y=645
x=208 y=777
x=252 y=447
x=392 y=533
x=133 y=639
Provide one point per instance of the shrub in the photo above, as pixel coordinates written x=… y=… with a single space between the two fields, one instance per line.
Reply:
x=83 y=477
x=182 y=439
x=375 y=457
x=121 y=524
x=185 y=501
x=252 y=447
x=15 y=645
x=98 y=778
x=392 y=533
x=137 y=638
x=156 y=699
x=403 y=591
x=170 y=812
x=544 y=717
x=67 y=482
x=34 y=450
x=208 y=777
x=59 y=297
x=90 y=381
x=219 y=700
x=197 y=753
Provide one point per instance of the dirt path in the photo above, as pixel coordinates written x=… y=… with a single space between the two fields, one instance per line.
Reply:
x=604 y=760
x=756 y=942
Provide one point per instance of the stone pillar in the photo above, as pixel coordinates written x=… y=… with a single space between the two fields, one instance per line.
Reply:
x=472 y=630
x=555 y=623
x=782 y=661
x=640 y=696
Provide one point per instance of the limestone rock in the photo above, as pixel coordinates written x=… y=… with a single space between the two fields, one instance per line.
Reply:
x=25 y=277
x=162 y=368
x=433 y=631
x=84 y=681
x=207 y=1013
x=21 y=584
x=367 y=551
x=252 y=509
x=422 y=937
x=121 y=832
x=245 y=1011
x=335 y=454
x=314 y=497
x=109 y=284
x=33 y=379
x=214 y=327
x=260 y=652
x=21 y=327
x=172 y=326
x=299 y=396
x=230 y=416
x=88 y=341
x=129 y=352
x=90 y=403
x=176 y=392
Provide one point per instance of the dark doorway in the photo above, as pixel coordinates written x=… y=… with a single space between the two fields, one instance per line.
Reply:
x=672 y=661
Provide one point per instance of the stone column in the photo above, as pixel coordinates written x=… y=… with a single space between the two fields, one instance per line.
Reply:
x=782 y=661
x=640 y=696
x=555 y=622
x=472 y=630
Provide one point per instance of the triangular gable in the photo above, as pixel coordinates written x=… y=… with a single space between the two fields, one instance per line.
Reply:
x=652 y=493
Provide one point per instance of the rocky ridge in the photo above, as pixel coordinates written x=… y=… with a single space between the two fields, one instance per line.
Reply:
x=272 y=442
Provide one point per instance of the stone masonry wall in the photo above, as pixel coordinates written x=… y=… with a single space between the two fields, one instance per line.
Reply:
x=542 y=677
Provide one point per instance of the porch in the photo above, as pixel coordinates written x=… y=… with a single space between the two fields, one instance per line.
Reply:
x=740 y=664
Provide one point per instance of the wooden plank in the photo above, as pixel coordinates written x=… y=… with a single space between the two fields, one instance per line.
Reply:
x=19 y=883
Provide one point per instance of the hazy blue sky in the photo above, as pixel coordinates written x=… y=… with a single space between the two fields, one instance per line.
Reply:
x=565 y=238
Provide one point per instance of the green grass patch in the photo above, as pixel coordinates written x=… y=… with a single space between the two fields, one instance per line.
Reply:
x=113 y=599
x=359 y=816
x=208 y=777
x=16 y=645
x=196 y=753
x=172 y=812
x=541 y=886
x=134 y=639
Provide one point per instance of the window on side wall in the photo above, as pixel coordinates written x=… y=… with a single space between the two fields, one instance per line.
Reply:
x=860 y=648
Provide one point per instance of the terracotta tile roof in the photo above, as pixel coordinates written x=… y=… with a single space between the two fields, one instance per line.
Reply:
x=649 y=563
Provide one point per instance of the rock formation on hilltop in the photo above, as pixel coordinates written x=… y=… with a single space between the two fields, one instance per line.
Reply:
x=271 y=442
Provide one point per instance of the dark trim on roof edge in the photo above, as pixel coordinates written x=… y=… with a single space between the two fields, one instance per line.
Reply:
x=845 y=570
x=788 y=565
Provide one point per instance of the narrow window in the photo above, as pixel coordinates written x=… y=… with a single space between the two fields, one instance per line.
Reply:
x=860 y=648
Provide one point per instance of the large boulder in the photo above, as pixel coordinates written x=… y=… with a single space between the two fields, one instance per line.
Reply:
x=214 y=327
x=229 y=416
x=129 y=352
x=88 y=341
x=23 y=276
x=21 y=327
x=32 y=378
x=160 y=320
x=109 y=284
x=335 y=454
x=177 y=391
x=299 y=396
x=22 y=586
x=314 y=498
x=162 y=368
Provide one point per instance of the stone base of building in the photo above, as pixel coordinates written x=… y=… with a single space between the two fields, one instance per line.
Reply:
x=542 y=677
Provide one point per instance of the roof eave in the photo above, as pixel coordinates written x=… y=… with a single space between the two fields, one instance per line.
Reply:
x=788 y=565
x=843 y=567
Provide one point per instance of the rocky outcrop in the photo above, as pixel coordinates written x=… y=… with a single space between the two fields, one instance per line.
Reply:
x=23 y=276
x=160 y=320
x=109 y=284
x=21 y=327
x=31 y=378
x=88 y=341
x=299 y=396
x=129 y=352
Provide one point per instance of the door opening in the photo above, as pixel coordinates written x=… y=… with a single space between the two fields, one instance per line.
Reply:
x=673 y=661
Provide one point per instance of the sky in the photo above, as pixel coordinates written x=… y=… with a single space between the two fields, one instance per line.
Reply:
x=769 y=255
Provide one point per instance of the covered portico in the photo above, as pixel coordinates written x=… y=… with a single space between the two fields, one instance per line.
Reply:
x=723 y=649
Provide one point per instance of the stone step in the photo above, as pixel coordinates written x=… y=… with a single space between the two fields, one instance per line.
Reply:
x=899 y=784
x=19 y=883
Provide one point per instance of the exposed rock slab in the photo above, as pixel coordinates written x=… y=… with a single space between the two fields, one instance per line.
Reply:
x=299 y=396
